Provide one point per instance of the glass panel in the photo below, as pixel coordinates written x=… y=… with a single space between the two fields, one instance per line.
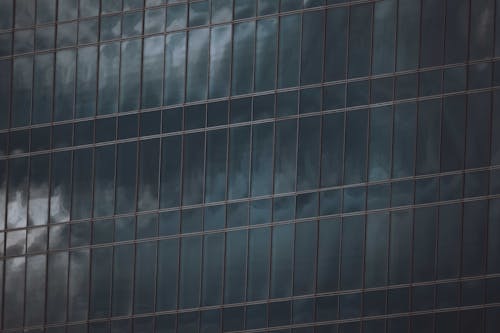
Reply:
x=126 y=177
x=22 y=89
x=168 y=270
x=104 y=194
x=87 y=31
x=282 y=261
x=213 y=269
x=376 y=250
x=308 y=157
x=101 y=282
x=408 y=34
x=353 y=230
x=78 y=285
x=154 y=20
x=89 y=8
x=145 y=277
x=86 y=82
x=18 y=193
x=192 y=185
x=400 y=240
x=14 y=297
x=82 y=184
x=474 y=233
x=35 y=288
x=236 y=253
x=262 y=159
x=109 y=65
x=132 y=24
x=332 y=149
x=190 y=272
x=175 y=62
x=289 y=51
x=197 y=68
x=152 y=71
x=424 y=240
x=6 y=14
x=379 y=164
x=5 y=91
x=305 y=257
x=130 y=73
x=265 y=54
x=384 y=28
x=478 y=130
x=355 y=146
x=39 y=190
x=198 y=13
x=432 y=33
x=148 y=175
x=57 y=286
x=60 y=192
x=428 y=137
x=312 y=47
x=481 y=29
x=220 y=60
x=123 y=274
x=25 y=13
x=360 y=40
x=285 y=156
x=176 y=17
x=404 y=140
x=170 y=171
x=68 y=10
x=42 y=88
x=456 y=31
x=65 y=81
x=258 y=263
x=66 y=34
x=336 y=43
x=239 y=159
x=15 y=243
x=222 y=11
x=452 y=129
x=243 y=50
x=215 y=178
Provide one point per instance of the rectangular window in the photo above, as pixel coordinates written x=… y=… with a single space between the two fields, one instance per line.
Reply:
x=152 y=71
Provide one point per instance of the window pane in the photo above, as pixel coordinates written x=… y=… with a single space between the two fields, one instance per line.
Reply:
x=35 y=288
x=82 y=184
x=289 y=51
x=42 y=90
x=56 y=286
x=305 y=257
x=308 y=158
x=215 y=178
x=18 y=193
x=190 y=272
x=101 y=282
x=262 y=159
x=213 y=268
x=355 y=151
x=86 y=82
x=78 y=285
x=148 y=175
x=60 y=192
x=380 y=143
x=175 y=61
x=168 y=270
x=22 y=89
x=239 y=159
x=152 y=71
x=109 y=65
x=145 y=277
x=285 y=156
x=14 y=275
x=282 y=261
x=236 y=253
x=265 y=54
x=130 y=74
x=39 y=190
x=65 y=82
x=360 y=40
x=220 y=60
x=192 y=185
x=353 y=230
x=126 y=177
x=243 y=53
x=170 y=171
x=197 y=65
x=104 y=194
x=400 y=240
x=384 y=28
x=123 y=273
x=408 y=34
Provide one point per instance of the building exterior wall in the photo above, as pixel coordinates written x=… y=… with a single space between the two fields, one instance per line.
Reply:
x=261 y=166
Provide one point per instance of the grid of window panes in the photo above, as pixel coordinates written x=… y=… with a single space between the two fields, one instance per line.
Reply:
x=291 y=166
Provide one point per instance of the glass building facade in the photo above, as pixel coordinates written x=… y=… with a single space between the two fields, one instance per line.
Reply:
x=290 y=166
